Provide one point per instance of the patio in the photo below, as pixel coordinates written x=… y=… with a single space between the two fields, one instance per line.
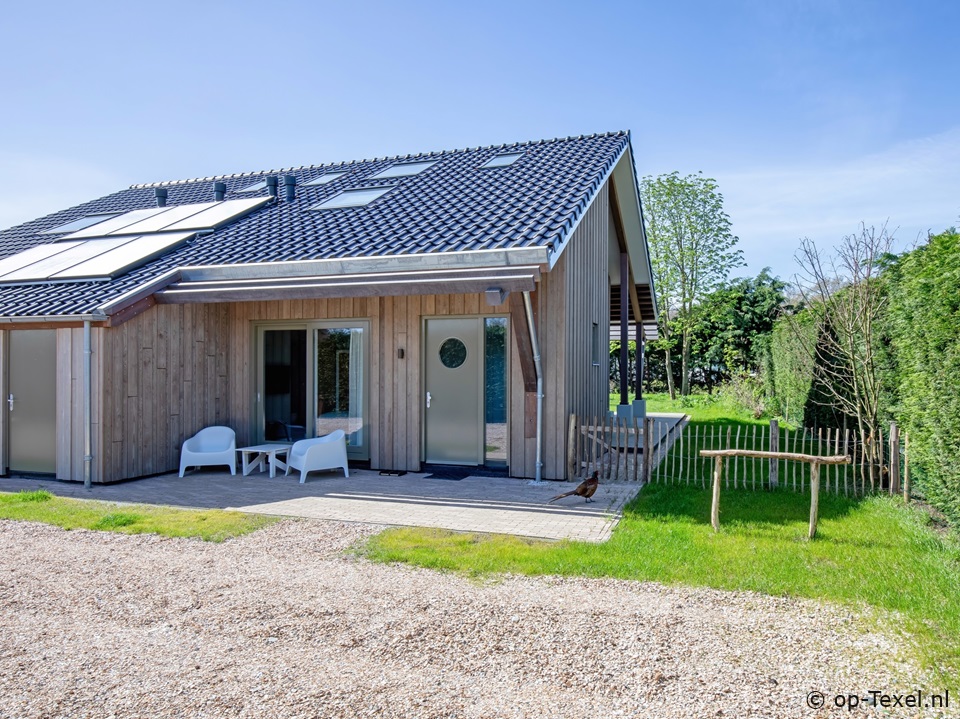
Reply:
x=472 y=504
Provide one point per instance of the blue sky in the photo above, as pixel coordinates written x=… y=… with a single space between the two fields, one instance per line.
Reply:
x=813 y=116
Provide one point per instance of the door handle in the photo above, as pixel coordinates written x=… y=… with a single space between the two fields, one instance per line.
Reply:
x=428 y=400
x=10 y=401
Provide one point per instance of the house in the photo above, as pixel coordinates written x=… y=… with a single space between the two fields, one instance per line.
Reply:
x=417 y=302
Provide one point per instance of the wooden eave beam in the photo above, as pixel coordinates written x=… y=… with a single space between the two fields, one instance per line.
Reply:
x=622 y=242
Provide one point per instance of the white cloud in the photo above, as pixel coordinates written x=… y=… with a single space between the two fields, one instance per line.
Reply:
x=36 y=186
x=914 y=185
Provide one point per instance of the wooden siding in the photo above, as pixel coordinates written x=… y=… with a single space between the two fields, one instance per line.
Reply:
x=586 y=387
x=395 y=384
x=70 y=420
x=164 y=378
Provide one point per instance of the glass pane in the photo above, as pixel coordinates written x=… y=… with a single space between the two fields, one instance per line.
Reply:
x=339 y=384
x=284 y=385
x=503 y=160
x=453 y=353
x=403 y=170
x=353 y=198
x=495 y=389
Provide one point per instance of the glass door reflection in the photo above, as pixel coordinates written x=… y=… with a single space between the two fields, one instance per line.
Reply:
x=339 y=386
x=284 y=385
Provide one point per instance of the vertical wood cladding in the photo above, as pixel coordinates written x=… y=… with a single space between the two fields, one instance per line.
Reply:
x=164 y=376
x=587 y=298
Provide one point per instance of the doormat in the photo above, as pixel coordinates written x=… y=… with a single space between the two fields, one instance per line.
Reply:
x=455 y=473
x=393 y=473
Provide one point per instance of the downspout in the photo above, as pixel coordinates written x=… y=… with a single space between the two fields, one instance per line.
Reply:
x=535 y=345
x=87 y=407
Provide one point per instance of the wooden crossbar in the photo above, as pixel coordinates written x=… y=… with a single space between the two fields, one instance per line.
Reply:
x=813 y=460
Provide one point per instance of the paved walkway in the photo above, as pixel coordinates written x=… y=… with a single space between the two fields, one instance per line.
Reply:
x=474 y=504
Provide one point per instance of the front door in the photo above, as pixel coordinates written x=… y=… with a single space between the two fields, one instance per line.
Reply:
x=32 y=401
x=453 y=366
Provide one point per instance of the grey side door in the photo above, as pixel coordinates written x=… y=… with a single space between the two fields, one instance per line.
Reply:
x=453 y=401
x=32 y=401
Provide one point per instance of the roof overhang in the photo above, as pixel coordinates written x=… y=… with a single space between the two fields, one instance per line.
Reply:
x=429 y=282
x=510 y=270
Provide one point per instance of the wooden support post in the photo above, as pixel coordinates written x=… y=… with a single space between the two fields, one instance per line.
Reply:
x=624 y=325
x=894 y=458
x=814 y=498
x=572 y=448
x=715 y=506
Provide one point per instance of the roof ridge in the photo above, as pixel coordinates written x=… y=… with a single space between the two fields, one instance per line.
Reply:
x=419 y=155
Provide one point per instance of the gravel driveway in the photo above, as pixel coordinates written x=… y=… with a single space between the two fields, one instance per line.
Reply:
x=281 y=624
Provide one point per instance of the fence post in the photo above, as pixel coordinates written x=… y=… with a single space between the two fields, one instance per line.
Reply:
x=572 y=447
x=814 y=498
x=715 y=506
x=647 y=449
x=894 y=458
x=906 y=466
x=774 y=447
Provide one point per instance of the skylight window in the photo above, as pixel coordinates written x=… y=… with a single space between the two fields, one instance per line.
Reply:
x=353 y=198
x=404 y=169
x=504 y=160
x=324 y=179
x=254 y=187
x=80 y=223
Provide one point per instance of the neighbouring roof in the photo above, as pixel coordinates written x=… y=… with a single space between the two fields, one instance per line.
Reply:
x=454 y=205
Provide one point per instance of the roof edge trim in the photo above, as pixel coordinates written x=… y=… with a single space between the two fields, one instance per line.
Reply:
x=510 y=257
x=566 y=236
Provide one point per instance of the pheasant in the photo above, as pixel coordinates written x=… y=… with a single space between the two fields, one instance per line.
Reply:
x=585 y=489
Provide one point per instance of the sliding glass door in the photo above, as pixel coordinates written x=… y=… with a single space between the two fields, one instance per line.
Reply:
x=311 y=380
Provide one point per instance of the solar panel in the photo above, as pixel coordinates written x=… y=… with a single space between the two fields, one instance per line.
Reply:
x=324 y=179
x=507 y=158
x=353 y=198
x=48 y=267
x=165 y=219
x=117 y=223
x=34 y=254
x=79 y=224
x=219 y=214
x=132 y=253
x=404 y=169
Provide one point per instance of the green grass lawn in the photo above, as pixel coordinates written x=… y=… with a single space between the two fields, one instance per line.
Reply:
x=212 y=525
x=874 y=552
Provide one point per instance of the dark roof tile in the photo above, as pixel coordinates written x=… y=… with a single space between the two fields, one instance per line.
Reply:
x=454 y=205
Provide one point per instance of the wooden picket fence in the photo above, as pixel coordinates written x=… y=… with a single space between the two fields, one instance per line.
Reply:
x=620 y=450
x=683 y=464
x=641 y=451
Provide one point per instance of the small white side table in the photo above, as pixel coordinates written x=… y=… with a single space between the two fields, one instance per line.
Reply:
x=261 y=454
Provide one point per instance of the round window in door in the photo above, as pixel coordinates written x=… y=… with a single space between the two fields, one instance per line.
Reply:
x=453 y=353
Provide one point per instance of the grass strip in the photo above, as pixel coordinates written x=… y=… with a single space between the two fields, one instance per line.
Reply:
x=211 y=525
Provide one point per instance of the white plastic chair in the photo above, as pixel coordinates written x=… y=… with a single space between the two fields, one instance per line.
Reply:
x=328 y=452
x=210 y=446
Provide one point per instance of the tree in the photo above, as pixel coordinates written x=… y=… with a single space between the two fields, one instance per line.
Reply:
x=732 y=326
x=692 y=252
x=846 y=298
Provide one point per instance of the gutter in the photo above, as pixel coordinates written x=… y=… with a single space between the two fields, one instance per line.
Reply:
x=33 y=319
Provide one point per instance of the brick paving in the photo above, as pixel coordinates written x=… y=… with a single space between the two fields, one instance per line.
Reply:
x=474 y=504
